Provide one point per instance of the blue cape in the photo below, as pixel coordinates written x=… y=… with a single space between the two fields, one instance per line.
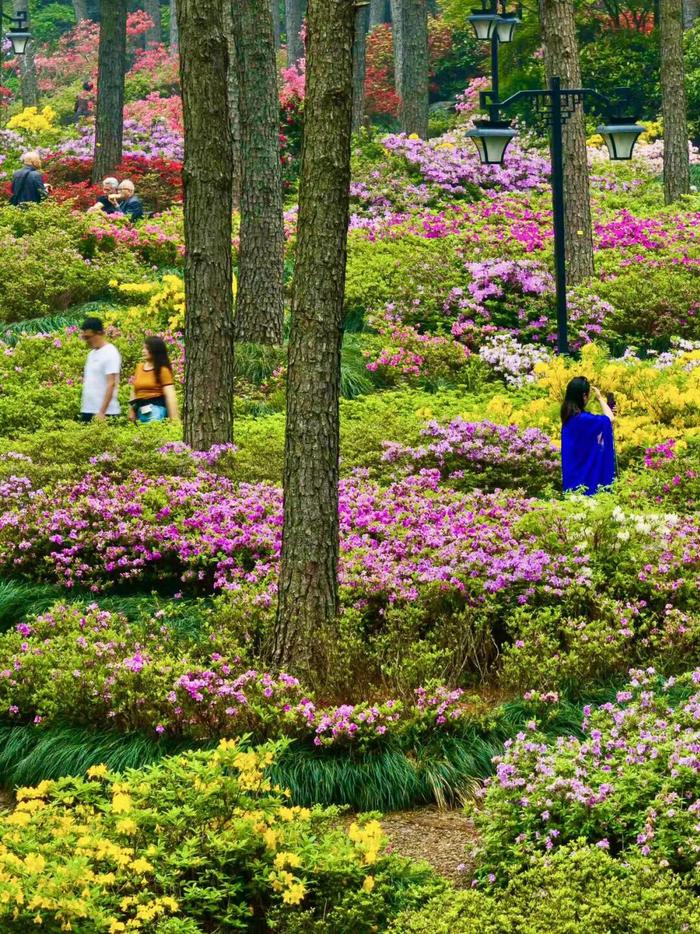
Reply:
x=587 y=453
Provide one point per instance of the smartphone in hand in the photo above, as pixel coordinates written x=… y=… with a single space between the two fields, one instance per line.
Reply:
x=611 y=400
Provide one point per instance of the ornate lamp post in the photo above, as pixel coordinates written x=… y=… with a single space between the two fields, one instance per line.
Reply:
x=18 y=34
x=555 y=104
x=491 y=26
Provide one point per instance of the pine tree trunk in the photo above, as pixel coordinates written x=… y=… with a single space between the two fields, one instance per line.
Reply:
x=397 y=38
x=359 y=67
x=80 y=8
x=173 y=38
x=276 y=21
x=412 y=27
x=377 y=13
x=208 y=409
x=260 y=300
x=153 y=35
x=29 y=88
x=562 y=60
x=308 y=591
x=690 y=13
x=673 y=102
x=294 y=20
x=234 y=104
x=111 y=66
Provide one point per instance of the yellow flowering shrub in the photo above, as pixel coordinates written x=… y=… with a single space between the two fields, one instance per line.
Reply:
x=34 y=121
x=160 y=305
x=203 y=839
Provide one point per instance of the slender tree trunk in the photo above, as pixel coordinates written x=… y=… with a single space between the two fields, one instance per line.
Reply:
x=80 y=9
x=673 y=102
x=111 y=66
x=173 y=38
x=690 y=13
x=234 y=103
x=277 y=21
x=308 y=591
x=359 y=63
x=208 y=409
x=377 y=13
x=562 y=60
x=29 y=87
x=153 y=35
x=411 y=25
x=294 y=20
x=397 y=37
x=260 y=300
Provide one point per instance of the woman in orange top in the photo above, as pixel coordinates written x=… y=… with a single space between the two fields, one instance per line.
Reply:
x=152 y=392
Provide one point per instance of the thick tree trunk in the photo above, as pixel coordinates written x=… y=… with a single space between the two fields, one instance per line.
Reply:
x=378 y=13
x=359 y=63
x=690 y=13
x=562 y=60
x=208 y=409
x=294 y=10
x=411 y=25
x=29 y=87
x=260 y=300
x=234 y=103
x=80 y=9
x=308 y=591
x=276 y=21
x=153 y=35
x=111 y=66
x=673 y=102
x=173 y=37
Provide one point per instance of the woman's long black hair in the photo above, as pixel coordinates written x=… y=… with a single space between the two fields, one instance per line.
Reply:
x=575 y=399
x=159 y=354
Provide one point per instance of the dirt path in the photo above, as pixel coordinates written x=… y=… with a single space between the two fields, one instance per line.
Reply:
x=443 y=838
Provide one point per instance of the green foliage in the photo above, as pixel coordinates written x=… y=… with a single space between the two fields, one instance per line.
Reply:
x=580 y=890
x=625 y=58
x=401 y=270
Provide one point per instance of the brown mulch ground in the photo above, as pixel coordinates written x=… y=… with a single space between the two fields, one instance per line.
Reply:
x=443 y=838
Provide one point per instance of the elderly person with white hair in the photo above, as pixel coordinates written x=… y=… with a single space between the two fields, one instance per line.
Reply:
x=27 y=183
x=108 y=201
x=129 y=204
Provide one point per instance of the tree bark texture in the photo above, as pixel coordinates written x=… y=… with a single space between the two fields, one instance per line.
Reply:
x=378 y=13
x=234 y=103
x=29 y=87
x=111 y=66
x=674 y=107
x=397 y=38
x=359 y=66
x=294 y=17
x=562 y=60
x=277 y=21
x=690 y=13
x=260 y=299
x=308 y=591
x=412 y=27
x=152 y=36
x=208 y=408
x=80 y=8
x=173 y=38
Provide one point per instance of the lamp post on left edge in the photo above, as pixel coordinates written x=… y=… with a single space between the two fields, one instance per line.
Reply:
x=18 y=34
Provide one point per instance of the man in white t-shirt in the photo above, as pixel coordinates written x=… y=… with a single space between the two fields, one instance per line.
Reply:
x=101 y=375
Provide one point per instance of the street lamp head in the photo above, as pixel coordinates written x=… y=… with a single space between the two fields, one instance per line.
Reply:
x=620 y=135
x=19 y=39
x=484 y=24
x=505 y=28
x=491 y=138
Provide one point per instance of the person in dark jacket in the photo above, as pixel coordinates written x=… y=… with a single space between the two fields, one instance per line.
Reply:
x=108 y=202
x=27 y=183
x=129 y=204
x=84 y=101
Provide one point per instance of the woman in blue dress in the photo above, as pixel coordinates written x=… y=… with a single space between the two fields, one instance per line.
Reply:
x=587 y=444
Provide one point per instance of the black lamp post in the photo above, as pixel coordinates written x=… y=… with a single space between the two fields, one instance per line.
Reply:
x=491 y=26
x=18 y=34
x=556 y=105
